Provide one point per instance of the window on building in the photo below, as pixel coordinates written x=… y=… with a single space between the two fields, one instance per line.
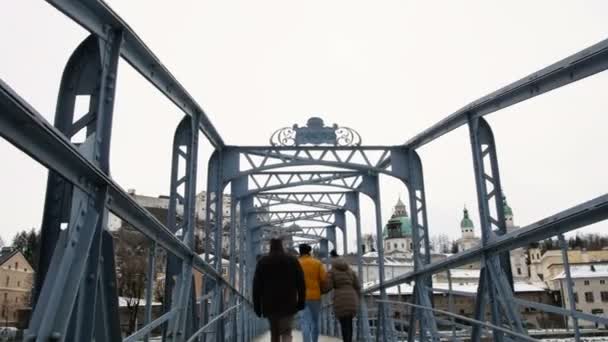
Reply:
x=16 y=264
x=395 y=246
x=604 y=295
x=597 y=311
x=586 y=282
x=8 y=279
x=589 y=297
x=518 y=271
x=576 y=297
x=602 y=282
x=18 y=283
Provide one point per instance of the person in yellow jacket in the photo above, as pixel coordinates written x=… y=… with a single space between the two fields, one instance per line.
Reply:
x=314 y=276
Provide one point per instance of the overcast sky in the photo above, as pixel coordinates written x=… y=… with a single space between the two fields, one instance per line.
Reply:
x=388 y=69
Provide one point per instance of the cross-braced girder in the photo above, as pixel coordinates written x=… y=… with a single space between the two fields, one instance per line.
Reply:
x=324 y=200
x=75 y=296
x=271 y=181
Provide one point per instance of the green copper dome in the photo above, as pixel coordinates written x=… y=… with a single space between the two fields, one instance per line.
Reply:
x=466 y=221
x=399 y=225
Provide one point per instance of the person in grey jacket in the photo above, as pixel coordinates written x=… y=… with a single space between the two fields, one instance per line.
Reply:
x=346 y=292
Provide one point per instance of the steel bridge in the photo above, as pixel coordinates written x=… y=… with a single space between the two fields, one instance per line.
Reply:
x=75 y=289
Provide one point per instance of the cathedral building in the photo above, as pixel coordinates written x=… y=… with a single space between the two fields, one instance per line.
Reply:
x=397 y=234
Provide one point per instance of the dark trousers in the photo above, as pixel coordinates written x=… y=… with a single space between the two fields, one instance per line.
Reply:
x=346 y=325
x=280 y=327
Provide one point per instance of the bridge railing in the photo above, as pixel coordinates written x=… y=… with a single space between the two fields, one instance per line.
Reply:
x=76 y=296
x=495 y=290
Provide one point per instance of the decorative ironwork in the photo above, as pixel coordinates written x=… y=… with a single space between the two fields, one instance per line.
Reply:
x=315 y=133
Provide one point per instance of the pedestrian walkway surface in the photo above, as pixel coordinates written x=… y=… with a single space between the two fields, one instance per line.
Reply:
x=297 y=337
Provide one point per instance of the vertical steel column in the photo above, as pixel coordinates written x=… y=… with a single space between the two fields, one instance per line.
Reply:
x=323 y=248
x=150 y=279
x=451 y=304
x=213 y=240
x=340 y=221
x=564 y=247
x=495 y=277
x=422 y=251
x=352 y=202
x=76 y=248
x=238 y=187
x=180 y=326
x=383 y=331
x=246 y=204
x=330 y=234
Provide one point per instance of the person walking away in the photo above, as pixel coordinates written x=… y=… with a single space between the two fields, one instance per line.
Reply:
x=346 y=293
x=279 y=290
x=314 y=276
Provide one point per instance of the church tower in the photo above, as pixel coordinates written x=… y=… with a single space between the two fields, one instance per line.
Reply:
x=466 y=225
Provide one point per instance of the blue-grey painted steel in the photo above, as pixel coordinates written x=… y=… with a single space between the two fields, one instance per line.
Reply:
x=319 y=199
x=26 y=129
x=150 y=279
x=180 y=181
x=80 y=302
x=584 y=214
x=70 y=297
x=570 y=284
x=495 y=269
x=576 y=67
x=183 y=291
x=97 y=17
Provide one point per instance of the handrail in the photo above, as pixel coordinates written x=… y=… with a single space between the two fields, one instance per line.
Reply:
x=578 y=216
x=51 y=148
x=582 y=64
x=204 y=327
x=464 y=318
x=150 y=326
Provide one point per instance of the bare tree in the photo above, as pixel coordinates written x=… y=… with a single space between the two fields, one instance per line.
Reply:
x=370 y=240
x=131 y=260
x=441 y=243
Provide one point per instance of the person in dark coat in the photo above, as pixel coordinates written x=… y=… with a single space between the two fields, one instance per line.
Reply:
x=279 y=290
x=346 y=293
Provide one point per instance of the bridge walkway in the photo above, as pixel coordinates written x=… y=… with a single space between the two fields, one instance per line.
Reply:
x=297 y=337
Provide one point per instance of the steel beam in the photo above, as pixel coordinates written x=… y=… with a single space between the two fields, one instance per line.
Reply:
x=582 y=215
x=578 y=66
x=96 y=17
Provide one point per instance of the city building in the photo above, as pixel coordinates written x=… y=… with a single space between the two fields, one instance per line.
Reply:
x=590 y=287
x=546 y=265
x=159 y=207
x=467 y=230
x=397 y=234
x=518 y=257
x=16 y=280
x=463 y=303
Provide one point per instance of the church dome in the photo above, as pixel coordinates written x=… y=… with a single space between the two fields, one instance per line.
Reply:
x=466 y=221
x=400 y=225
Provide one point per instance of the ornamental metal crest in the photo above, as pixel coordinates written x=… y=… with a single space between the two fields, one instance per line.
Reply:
x=315 y=133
